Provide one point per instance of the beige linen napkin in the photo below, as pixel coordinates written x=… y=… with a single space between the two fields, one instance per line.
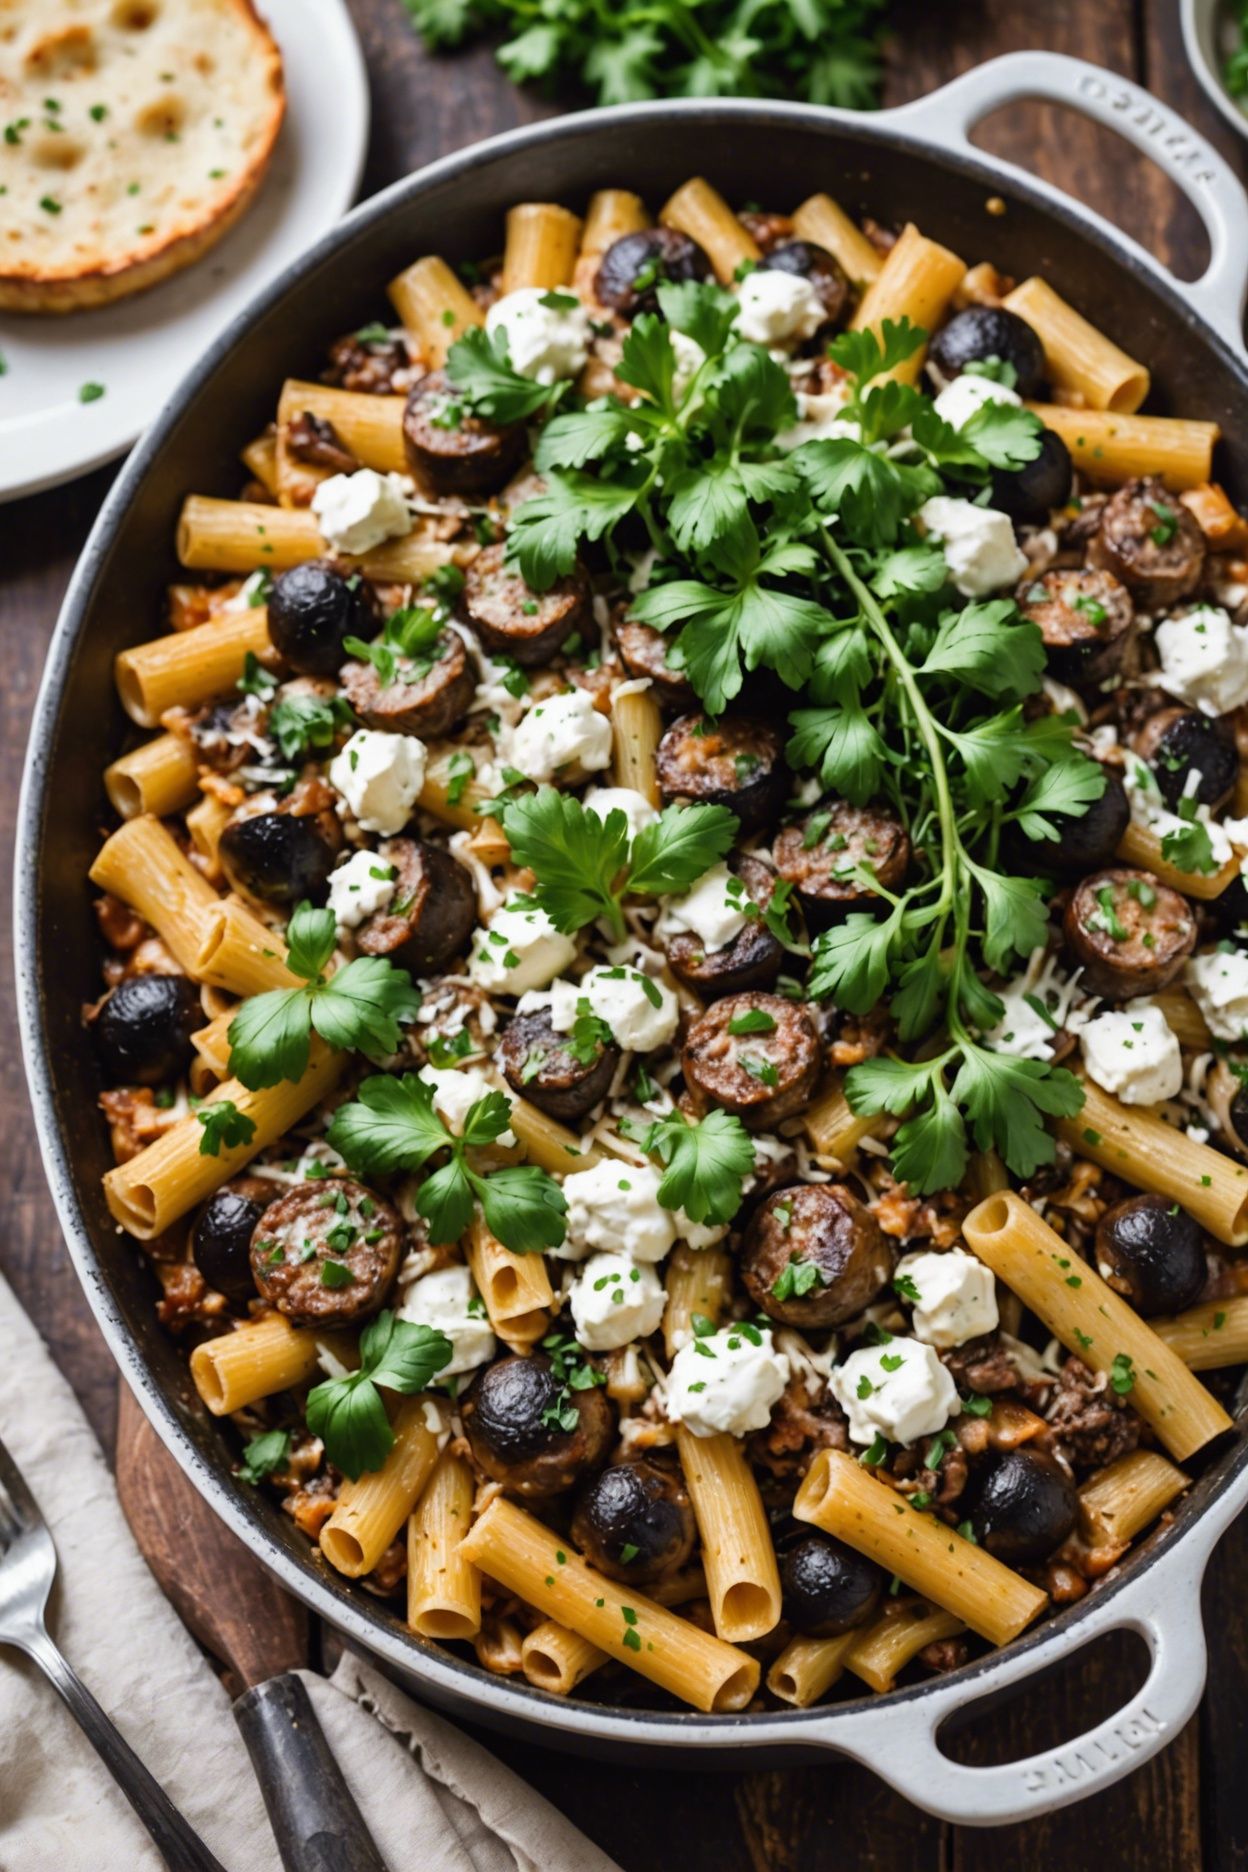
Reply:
x=434 y=1799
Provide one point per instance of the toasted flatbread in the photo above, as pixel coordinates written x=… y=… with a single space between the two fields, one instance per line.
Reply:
x=133 y=133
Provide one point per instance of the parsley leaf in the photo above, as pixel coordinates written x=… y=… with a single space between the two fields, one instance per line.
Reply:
x=706 y=1164
x=263 y=1454
x=479 y=365
x=223 y=1124
x=348 y=1414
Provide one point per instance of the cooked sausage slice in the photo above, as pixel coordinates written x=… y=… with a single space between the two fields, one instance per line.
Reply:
x=1179 y=742
x=819 y=1225
x=450 y=451
x=737 y=762
x=327 y=1254
x=643 y=652
x=433 y=911
x=1149 y=540
x=512 y=1416
x=1085 y=617
x=1130 y=934
x=634 y=266
x=456 y=1023
x=819 y=854
x=542 y=1066
x=752 y=959
x=429 y=696
x=513 y=621
x=763 y=1073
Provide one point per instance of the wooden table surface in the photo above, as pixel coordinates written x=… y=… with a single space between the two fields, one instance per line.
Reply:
x=1189 y=1807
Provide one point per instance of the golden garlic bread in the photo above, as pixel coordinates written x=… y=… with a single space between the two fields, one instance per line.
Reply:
x=133 y=133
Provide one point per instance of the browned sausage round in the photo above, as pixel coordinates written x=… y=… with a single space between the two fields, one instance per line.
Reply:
x=326 y=1255
x=450 y=451
x=634 y=1521
x=541 y=1066
x=1149 y=540
x=752 y=959
x=819 y=1225
x=433 y=911
x=1179 y=742
x=763 y=1073
x=818 y=855
x=1085 y=617
x=456 y=1023
x=737 y=762
x=513 y=621
x=643 y=652
x=429 y=696
x=512 y=1416
x=1130 y=934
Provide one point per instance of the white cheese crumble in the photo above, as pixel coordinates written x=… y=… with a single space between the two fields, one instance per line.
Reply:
x=1204 y=659
x=710 y=910
x=967 y=394
x=380 y=777
x=456 y=1089
x=957 y=1295
x=1150 y=810
x=447 y=1301
x=521 y=949
x=360 y=888
x=641 y=1013
x=978 y=542
x=1218 y=984
x=819 y=418
x=1038 y=1004
x=635 y=807
x=613 y=1301
x=356 y=512
x=545 y=340
x=562 y=731
x=899 y=1390
x=615 y=1206
x=776 y=308
x=726 y=1381
x=1132 y=1052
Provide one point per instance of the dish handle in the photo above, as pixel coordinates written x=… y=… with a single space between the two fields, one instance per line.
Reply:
x=947 y=117
x=900 y=1741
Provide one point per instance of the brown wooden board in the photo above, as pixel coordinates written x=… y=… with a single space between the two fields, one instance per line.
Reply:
x=1189 y=1808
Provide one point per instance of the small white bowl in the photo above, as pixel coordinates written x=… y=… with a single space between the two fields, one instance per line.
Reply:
x=1209 y=34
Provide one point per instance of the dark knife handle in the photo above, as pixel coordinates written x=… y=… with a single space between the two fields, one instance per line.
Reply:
x=315 y=1821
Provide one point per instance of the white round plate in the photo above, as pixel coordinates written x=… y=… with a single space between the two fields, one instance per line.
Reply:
x=140 y=348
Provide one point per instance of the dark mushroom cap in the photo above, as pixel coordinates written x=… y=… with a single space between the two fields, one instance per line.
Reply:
x=221 y=1242
x=981 y=332
x=828 y=1587
x=1022 y=1505
x=634 y=1521
x=143 y=1031
x=312 y=610
x=279 y=857
x=1151 y=1251
x=1030 y=493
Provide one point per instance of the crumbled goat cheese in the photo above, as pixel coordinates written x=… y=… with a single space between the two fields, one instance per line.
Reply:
x=726 y=1381
x=967 y=395
x=380 y=777
x=776 y=308
x=356 y=512
x=448 y=1302
x=1132 y=1052
x=562 y=731
x=978 y=543
x=635 y=807
x=456 y=1089
x=521 y=949
x=1204 y=659
x=642 y=1014
x=615 y=1206
x=613 y=1301
x=713 y=909
x=545 y=340
x=1148 y=808
x=957 y=1296
x=1038 y=1004
x=360 y=888
x=1218 y=984
x=899 y=1390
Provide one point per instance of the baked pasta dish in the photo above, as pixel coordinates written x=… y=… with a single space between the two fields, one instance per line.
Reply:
x=675 y=1015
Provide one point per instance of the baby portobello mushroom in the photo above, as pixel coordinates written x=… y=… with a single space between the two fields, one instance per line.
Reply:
x=1152 y=1252
x=634 y=1521
x=221 y=1237
x=980 y=334
x=313 y=609
x=828 y=1587
x=143 y=1029
x=514 y=1415
x=1022 y=1504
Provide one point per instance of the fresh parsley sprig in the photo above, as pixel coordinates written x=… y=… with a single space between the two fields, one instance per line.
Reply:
x=706 y=1163
x=359 y=1008
x=392 y=1125
x=348 y=1413
x=585 y=866
x=479 y=365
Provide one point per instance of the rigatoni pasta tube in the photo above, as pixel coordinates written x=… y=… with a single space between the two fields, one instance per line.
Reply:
x=1183 y=1018
x=698 y=1280
x=540 y=1568
x=239 y=953
x=371 y=427
x=834 y=1129
x=917 y=280
x=636 y=730
x=612 y=213
x=441 y=782
x=1080 y=358
x=823 y=221
x=143 y=864
x=212 y=1045
x=260 y=457
x=1092 y=1321
x=256 y=1360
x=1123 y=1499
x=548 y=1144
x=159 y=777
x=556 y=1659
x=701 y=212
x=371 y=1511
x=1209 y=1336
x=434 y=307
x=742 y=1578
x=184 y=668
x=1140 y=846
x=882 y=1652
x=1111 y=448
x=516 y=1288
x=243 y=536
x=541 y=244
x=1155 y=1156
x=843 y=1499
x=443 y=1589
x=172 y=1174
x=205 y=822
x=808 y=1667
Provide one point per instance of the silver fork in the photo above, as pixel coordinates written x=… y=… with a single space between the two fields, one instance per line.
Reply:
x=27 y=1569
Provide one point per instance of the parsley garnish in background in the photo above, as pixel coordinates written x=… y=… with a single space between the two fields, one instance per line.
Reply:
x=348 y=1414
x=263 y=1454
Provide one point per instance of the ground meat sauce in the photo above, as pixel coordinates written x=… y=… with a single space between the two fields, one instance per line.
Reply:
x=326 y=1255
x=762 y=1073
x=1129 y=933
